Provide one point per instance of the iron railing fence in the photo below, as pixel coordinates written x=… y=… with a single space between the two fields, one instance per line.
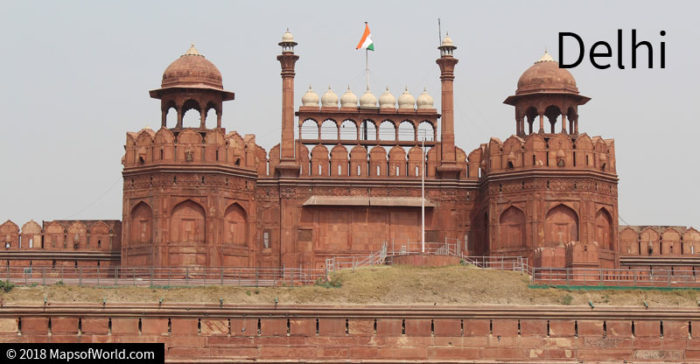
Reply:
x=353 y=261
x=499 y=262
x=151 y=276
x=431 y=248
x=658 y=277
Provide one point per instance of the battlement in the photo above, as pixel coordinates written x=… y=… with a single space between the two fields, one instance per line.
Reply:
x=211 y=147
x=543 y=151
x=62 y=235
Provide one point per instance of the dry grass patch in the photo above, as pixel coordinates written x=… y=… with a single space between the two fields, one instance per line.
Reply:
x=453 y=285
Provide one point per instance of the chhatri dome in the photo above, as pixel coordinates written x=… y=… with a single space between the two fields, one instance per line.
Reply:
x=329 y=99
x=424 y=100
x=310 y=98
x=387 y=100
x=545 y=76
x=192 y=70
x=368 y=99
x=406 y=100
x=348 y=99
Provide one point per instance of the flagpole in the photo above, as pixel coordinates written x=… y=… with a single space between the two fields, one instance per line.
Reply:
x=422 y=197
x=367 y=66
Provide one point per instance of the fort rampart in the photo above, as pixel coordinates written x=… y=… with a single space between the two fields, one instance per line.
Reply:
x=224 y=333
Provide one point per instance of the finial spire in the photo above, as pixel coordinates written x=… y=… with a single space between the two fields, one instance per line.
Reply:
x=192 y=51
x=546 y=57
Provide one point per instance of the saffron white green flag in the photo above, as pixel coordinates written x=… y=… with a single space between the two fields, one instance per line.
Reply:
x=366 y=41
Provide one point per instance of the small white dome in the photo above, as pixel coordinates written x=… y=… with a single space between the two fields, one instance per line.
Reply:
x=329 y=99
x=406 y=100
x=310 y=98
x=387 y=100
x=287 y=36
x=447 y=41
x=348 y=99
x=425 y=101
x=368 y=99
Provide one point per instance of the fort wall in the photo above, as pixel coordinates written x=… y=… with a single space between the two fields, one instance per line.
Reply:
x=212 y=333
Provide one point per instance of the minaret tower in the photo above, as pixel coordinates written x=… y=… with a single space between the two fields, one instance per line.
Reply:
x=288 y=166
x=448 y=168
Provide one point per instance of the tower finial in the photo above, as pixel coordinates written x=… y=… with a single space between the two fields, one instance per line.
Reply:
x=192 y=51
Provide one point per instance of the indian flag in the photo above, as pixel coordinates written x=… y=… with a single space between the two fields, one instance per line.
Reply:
x=366 y=41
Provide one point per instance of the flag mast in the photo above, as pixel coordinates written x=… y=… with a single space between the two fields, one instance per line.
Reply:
x=367 y=64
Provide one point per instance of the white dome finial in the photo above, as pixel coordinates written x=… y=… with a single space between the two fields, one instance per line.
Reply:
x=406 y=100
x=348 y=99
x=310 y=98
x=329 y=99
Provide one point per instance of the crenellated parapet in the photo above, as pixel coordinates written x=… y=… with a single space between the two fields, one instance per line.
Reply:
x=195 y=148
x=62 y=235
x=556 y=152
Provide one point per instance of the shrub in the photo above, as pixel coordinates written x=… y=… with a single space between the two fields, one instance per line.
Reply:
x=566 y=300
x=6 y=286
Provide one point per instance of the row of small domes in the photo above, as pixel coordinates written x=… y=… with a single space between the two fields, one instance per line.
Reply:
x=386 y=100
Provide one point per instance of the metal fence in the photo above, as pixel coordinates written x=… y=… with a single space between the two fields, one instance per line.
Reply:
x=185 y=276
x=354 y=261
x=616 y=277
x=431 y=248
x=514 y=263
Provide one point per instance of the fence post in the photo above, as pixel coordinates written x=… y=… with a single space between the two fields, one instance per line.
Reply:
x=80 y=276
x=8 y=273
x=256 y=277
x=151 y=276
x=98 y=275
x=222 y=276
x=43 y=276
x=187 y=275
x=116 y=275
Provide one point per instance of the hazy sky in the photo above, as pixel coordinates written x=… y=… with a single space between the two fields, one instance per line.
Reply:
x=75 y=77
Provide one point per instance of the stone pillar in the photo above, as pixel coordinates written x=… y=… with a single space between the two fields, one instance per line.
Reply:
x=288 y=166
x=563 y=123
x=448 y=165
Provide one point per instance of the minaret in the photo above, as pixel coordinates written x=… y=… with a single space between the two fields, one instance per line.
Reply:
x=448 y=168
x=288 y=166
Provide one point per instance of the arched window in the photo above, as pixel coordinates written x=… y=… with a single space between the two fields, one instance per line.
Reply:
x=191 y=117
x=309 y=129
x=426 y=130
x=368 y=131
x=406 y=131
x=329 y=130
x=348 y=130
x=387 y=131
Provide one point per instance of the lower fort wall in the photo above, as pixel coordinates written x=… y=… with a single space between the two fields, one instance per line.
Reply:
x=213 y=333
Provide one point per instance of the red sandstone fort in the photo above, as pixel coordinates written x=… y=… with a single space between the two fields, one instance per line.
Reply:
x=350 y=181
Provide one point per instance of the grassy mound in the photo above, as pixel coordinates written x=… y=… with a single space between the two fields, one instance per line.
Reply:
x=453 y=285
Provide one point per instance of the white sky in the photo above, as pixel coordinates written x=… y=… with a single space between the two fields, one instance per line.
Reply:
x=75 y=77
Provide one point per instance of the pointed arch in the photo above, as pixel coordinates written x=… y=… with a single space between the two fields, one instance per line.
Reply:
x=191 y=114
x=141 y=229
x=561 y=226
x=235 y=225
x=99 y=236
x=604 y=229
x=512 y=228
x=187 y=223
x=31 y=235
